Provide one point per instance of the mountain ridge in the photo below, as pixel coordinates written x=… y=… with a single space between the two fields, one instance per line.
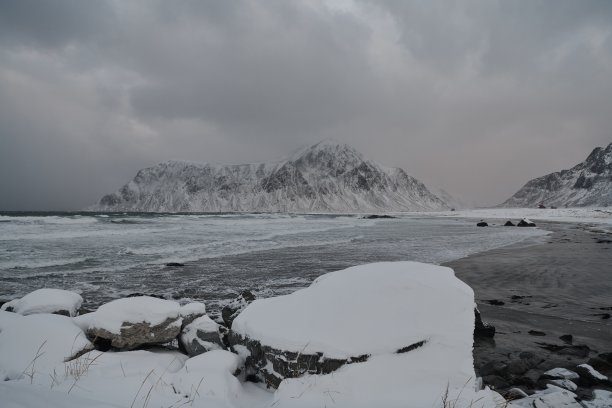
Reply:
x=587 y=184
x=325 y=177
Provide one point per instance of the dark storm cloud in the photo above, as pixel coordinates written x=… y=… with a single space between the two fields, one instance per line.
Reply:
x=476 y=96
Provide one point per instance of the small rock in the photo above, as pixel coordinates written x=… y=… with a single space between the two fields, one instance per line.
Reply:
x=482 y=224
x=589 y=376
x=496 y=382
x=567 y=338
x=515 y=393
x=604 y=316
x=509 y=224
x=376 y=217
x=494 y=368
x=526 y=223
x=579 y=350
x=560 y=374
x=233 y=309
x=495 y=302
x=200 y=336
x=51 y=301
x=536 y=333
x=175 y=264
x=481 y=329
x=191 y=311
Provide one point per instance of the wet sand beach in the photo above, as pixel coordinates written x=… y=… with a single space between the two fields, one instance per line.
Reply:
x=534 y=293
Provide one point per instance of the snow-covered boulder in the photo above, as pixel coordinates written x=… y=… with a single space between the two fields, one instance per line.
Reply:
x=31 y=346
x=590 y=376
x=560 y=374
x=237 y=305
x=389 y=332
x=200 y=336
x=192 y=311
x=128 y=323
x=551 y=397
x=55 y=301
x=601 y=399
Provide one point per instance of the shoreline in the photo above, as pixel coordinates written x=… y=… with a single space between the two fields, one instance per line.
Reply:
x=521 y=288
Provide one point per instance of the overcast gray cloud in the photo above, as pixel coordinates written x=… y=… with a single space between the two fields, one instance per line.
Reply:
x=476 y=97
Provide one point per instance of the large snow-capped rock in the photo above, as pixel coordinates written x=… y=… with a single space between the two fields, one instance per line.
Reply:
x=326 y=177
x=588 y=184
x=398 y=332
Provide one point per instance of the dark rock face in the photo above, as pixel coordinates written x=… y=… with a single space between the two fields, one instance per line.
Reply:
x=271 y=365
x=229 y=312
x=481 y=329
x=200 y=336
x=590 y=377
x=134 y=335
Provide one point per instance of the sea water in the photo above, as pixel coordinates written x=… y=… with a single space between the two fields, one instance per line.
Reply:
x=104 y=256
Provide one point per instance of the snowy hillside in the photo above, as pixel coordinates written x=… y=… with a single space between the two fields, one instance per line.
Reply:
x=586 y=184
x=326 y=177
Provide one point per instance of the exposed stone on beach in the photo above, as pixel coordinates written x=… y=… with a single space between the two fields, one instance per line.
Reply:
x=536 y=333
x=190 y=312
x=376 y=217
x=580 y=350
x=481 y=329
x=509 y=224
x=482 y=224
x=495 y=302
x=272 y=365
x=567 y=338
x=237 y=305
x=175 y=265
x=52 y=301
x=526 y=223
x=590 y=377
x=125 y=324
x=200 y=336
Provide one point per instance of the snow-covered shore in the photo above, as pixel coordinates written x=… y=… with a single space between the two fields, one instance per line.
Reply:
x=411 y=324
x=386 y=334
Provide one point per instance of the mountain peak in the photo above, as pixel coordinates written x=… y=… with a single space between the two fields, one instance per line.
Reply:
x=328 y=176
x=326 y=146
x=587 y=184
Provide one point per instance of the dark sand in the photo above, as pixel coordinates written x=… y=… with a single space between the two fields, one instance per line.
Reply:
x=564 y=282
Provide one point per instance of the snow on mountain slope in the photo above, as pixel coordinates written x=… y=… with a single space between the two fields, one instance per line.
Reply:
x=325 y=177
x=588 y=184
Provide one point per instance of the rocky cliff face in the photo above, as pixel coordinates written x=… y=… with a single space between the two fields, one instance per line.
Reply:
x=588 y=184
x=326 y=177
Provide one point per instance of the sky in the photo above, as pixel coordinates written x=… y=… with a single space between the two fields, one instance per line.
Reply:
x=476 y=97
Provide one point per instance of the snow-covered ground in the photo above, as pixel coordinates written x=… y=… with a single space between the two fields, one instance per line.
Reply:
x=423 y=303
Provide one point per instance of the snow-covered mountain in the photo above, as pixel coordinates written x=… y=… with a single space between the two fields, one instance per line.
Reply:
x=326 y=177
x=588 y=184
